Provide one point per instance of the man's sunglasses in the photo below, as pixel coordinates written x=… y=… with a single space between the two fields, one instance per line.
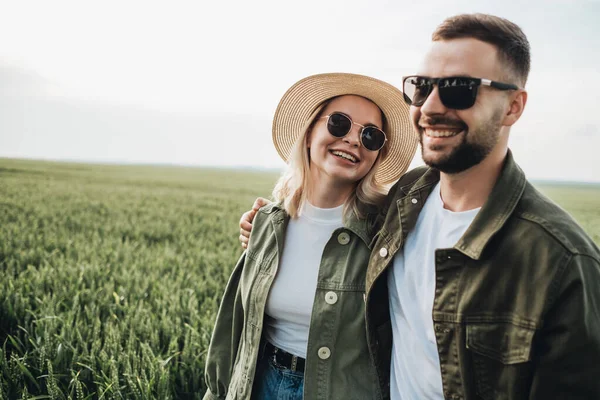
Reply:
x=456 y=92
x=371 y=137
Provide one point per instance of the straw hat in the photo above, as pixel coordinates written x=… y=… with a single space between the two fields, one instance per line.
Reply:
x=300 y=104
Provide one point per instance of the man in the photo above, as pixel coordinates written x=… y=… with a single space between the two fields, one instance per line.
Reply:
x=488 y=289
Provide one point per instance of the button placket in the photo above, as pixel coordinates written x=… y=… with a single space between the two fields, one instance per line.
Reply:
x=324 y=353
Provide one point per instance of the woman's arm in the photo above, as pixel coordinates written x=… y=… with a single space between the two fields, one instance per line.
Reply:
x=225 y=339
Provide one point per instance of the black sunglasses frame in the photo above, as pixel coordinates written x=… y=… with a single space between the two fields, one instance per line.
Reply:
x=449 y=100
x=362 y=132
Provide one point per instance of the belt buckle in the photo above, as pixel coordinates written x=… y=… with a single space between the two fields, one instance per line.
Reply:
x=274 y=355
x=294 y=363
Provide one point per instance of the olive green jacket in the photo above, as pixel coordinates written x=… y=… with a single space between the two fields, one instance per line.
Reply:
x=338 y=363
x=516 y=310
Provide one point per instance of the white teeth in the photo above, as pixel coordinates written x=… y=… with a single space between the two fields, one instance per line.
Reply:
x=344 y=155
x=438 y=133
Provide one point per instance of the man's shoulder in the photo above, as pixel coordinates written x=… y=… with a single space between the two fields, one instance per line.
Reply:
x=557 y=225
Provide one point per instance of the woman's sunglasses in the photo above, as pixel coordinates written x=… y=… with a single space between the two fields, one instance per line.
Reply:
x=456 y=92
x=371 y=137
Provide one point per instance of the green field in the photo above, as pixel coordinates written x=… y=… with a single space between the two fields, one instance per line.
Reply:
x=111 y=275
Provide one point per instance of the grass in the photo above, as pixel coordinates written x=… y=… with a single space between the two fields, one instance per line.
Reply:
x=112 y=276
x=582 y=201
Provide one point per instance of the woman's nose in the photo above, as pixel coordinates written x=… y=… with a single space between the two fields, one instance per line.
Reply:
x=353 y=137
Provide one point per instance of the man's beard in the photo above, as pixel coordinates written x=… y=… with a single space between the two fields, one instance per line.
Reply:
x=467 y=153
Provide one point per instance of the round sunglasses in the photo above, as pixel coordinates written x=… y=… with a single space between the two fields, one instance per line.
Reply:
x=456 y=92
x=371 y=137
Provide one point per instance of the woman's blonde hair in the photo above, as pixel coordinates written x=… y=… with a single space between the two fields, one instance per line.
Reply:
x=292 y=186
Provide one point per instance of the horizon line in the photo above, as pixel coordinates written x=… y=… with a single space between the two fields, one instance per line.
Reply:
x=228 y=167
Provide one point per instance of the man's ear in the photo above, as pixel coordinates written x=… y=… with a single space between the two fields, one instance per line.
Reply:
x=518 y=100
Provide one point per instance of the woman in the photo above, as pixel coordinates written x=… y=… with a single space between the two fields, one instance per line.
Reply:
x=291 y=323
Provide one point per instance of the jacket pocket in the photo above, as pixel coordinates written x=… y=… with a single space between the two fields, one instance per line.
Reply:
x=501 y=355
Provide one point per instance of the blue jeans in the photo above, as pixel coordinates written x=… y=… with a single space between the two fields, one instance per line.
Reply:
x=276 y=383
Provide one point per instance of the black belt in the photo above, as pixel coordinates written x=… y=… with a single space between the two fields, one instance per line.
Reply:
x=284 y=359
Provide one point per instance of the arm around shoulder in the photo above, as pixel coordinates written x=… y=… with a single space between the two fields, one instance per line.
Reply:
x=567 y=350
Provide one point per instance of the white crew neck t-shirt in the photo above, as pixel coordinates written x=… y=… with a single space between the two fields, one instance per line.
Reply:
x=415 y=366
x=290 y=302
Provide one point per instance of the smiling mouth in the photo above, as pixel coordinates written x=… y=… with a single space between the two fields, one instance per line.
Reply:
x=345 y=156
x=442 y=133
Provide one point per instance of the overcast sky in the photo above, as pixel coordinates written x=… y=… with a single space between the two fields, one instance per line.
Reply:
x=196 y=83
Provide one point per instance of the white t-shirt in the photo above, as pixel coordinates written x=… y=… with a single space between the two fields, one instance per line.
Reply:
x=415 y=367
x=290 y=302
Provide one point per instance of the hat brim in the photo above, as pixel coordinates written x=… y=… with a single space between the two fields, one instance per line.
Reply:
x=301 y=101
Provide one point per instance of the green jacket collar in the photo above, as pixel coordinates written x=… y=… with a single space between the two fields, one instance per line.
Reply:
x=493 y=215
x=360 y=227
x=496 y=211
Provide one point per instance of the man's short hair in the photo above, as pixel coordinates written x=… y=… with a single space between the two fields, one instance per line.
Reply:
x=509 y=39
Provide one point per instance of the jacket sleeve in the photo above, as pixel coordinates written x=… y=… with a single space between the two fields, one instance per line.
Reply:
x=567 y=365
x=225 y=339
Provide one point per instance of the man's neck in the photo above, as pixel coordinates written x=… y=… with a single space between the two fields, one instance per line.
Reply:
x=470 y=189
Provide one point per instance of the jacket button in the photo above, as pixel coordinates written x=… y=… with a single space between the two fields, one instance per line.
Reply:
x=324 y=353
x=343 y=238
x=383 y=252
x=331 y=297
x=414 y=201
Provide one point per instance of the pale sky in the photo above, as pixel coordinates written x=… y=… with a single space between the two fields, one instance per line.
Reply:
x=197 y=82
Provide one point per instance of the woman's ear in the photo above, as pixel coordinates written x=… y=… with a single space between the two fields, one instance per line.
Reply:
x=307 y=137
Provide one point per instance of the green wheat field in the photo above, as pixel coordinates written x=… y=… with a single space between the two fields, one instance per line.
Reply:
x=111 y=275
